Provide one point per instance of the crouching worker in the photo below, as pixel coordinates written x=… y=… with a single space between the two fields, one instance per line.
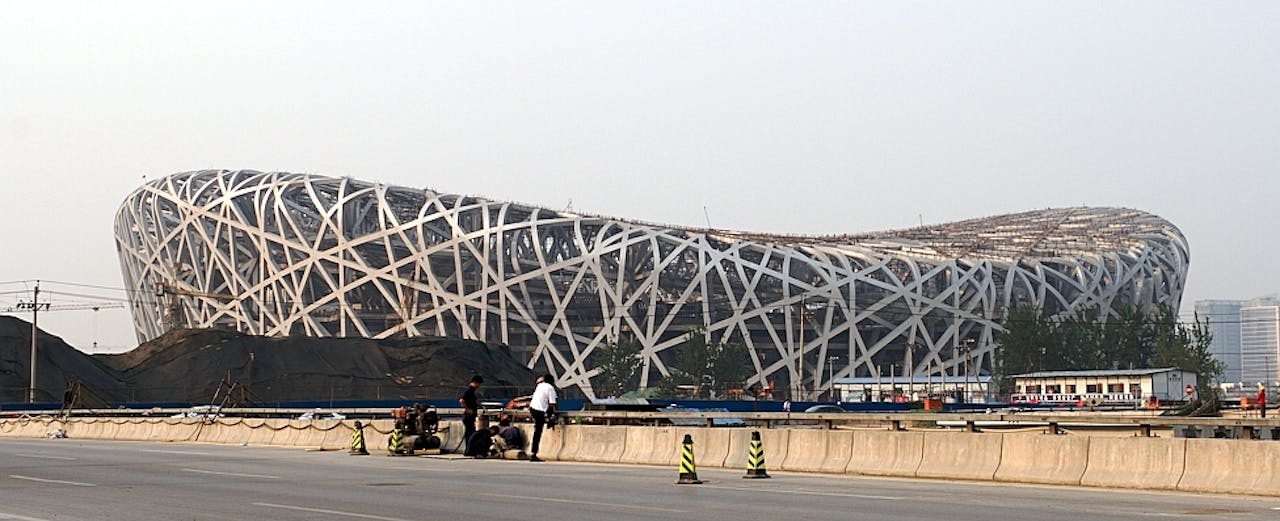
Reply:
x=479 y=443
x=508 y=443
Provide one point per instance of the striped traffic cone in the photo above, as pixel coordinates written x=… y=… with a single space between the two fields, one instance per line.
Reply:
x=688 y=469
x=755 y=458
x=357 y=441
x=395 y=443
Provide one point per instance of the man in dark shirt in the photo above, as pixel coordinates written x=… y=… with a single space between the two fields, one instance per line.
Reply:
x=470 y=408
x=510 y=434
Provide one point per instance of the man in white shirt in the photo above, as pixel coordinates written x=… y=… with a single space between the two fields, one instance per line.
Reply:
x=541 y=405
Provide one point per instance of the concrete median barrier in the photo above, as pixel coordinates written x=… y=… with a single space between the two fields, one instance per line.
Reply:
x=333 y=434
x=710 y=446
x=1043 y=458
x=264 y=432
x=450 y=436
x=1135 y=462
x=775 y=442
x=653 y=446
x=552 y=441
x=599 y=444
x=86 y=429
x=885 y=453
x=817 y=450
x=1232 y=467
x=960 y=455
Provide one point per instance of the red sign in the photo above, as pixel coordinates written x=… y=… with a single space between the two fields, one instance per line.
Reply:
x=1190 y=389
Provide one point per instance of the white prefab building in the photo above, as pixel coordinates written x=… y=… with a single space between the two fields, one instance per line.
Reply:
x=1121 y=385
x=972 y=389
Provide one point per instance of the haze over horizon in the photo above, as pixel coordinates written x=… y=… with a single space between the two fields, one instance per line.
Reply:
x=808 y=118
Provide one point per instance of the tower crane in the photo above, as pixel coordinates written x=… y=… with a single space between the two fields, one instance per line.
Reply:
x=173 y=306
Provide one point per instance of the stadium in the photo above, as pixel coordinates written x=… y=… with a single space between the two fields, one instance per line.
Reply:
x=299 y=254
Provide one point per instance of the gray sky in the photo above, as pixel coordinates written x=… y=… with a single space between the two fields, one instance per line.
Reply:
x=805 y=117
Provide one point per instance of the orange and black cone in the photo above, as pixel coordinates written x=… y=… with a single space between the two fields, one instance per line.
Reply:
x=688 y=469
x=755 y=458
x=357 y=441
x=395 y=443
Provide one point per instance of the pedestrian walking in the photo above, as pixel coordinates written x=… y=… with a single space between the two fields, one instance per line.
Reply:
x=542 y=405
x=470 y=407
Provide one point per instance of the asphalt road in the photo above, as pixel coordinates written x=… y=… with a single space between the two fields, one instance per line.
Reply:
x=73 y=479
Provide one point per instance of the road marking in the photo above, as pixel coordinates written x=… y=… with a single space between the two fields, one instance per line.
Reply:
x=810 y=493
x=182 y=452
x=16 y=517
x=42 y=456
x=591 y=503
x=235 y=474
x=332 y=512
x=57 y=481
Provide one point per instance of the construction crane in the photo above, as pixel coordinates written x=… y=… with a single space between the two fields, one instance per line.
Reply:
x=173 y=305
x=23 y=307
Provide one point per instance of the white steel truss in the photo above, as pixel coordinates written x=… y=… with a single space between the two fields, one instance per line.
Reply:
x=280 y=253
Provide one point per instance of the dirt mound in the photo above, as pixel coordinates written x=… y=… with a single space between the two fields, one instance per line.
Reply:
x=191 y=365
x=56 y=364
x=188 y=365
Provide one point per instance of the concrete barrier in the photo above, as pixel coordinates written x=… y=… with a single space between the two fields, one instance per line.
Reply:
x=775 y=443
x=1043 y=458
x=450 y=433
x=598 y=444
x=334 y=434
x=960 y=455
x=142 y=430
x=551 y=444
x=88 y=429
x=710 y=446
x=262 y=432
x=1232 y=467
x=839 y=452
x=111 y=429
x=1135 y=462
x=653 y=446
x=885 y=453
x=806 y=450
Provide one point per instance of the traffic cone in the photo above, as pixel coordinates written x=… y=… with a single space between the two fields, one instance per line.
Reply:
x=755 y=458
x=688 y=469
x=357 y=441
x=395 y=443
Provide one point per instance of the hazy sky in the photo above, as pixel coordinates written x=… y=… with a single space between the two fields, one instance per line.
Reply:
x=805 y=117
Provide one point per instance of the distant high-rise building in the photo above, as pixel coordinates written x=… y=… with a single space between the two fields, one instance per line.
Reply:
x=1224 y=323
x=1260 y=342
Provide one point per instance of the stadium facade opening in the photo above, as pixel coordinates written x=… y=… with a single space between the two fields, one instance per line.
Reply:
x=297 y=254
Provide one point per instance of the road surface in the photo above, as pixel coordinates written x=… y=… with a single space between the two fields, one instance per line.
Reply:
x=93 y=480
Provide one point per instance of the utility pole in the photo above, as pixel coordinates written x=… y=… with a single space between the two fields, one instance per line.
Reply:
x=831 y=375
x=911 y=370
x=35 y=317
x=800 y=358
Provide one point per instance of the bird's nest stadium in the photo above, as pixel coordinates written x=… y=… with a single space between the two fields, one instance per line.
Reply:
x=298 y=254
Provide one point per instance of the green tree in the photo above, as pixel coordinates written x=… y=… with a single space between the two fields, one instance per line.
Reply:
x=619 y=364
x=1129 y=338
x=709 y=366
x=730 y=366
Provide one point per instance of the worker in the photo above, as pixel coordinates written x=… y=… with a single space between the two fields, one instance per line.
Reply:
x=541 y=406
x=511 y=435
x=470 y=407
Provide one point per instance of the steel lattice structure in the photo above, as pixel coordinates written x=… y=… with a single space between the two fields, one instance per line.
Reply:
x=280 y=253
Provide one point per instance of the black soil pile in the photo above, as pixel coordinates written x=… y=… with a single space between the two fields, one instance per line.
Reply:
x=56 y=364
x=201 y=365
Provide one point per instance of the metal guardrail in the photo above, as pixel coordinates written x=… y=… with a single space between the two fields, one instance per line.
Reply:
x=893 y=421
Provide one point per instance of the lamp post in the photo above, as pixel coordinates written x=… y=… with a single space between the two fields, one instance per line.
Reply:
x=965 y=347
x=911 y=369
x=831 y=375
